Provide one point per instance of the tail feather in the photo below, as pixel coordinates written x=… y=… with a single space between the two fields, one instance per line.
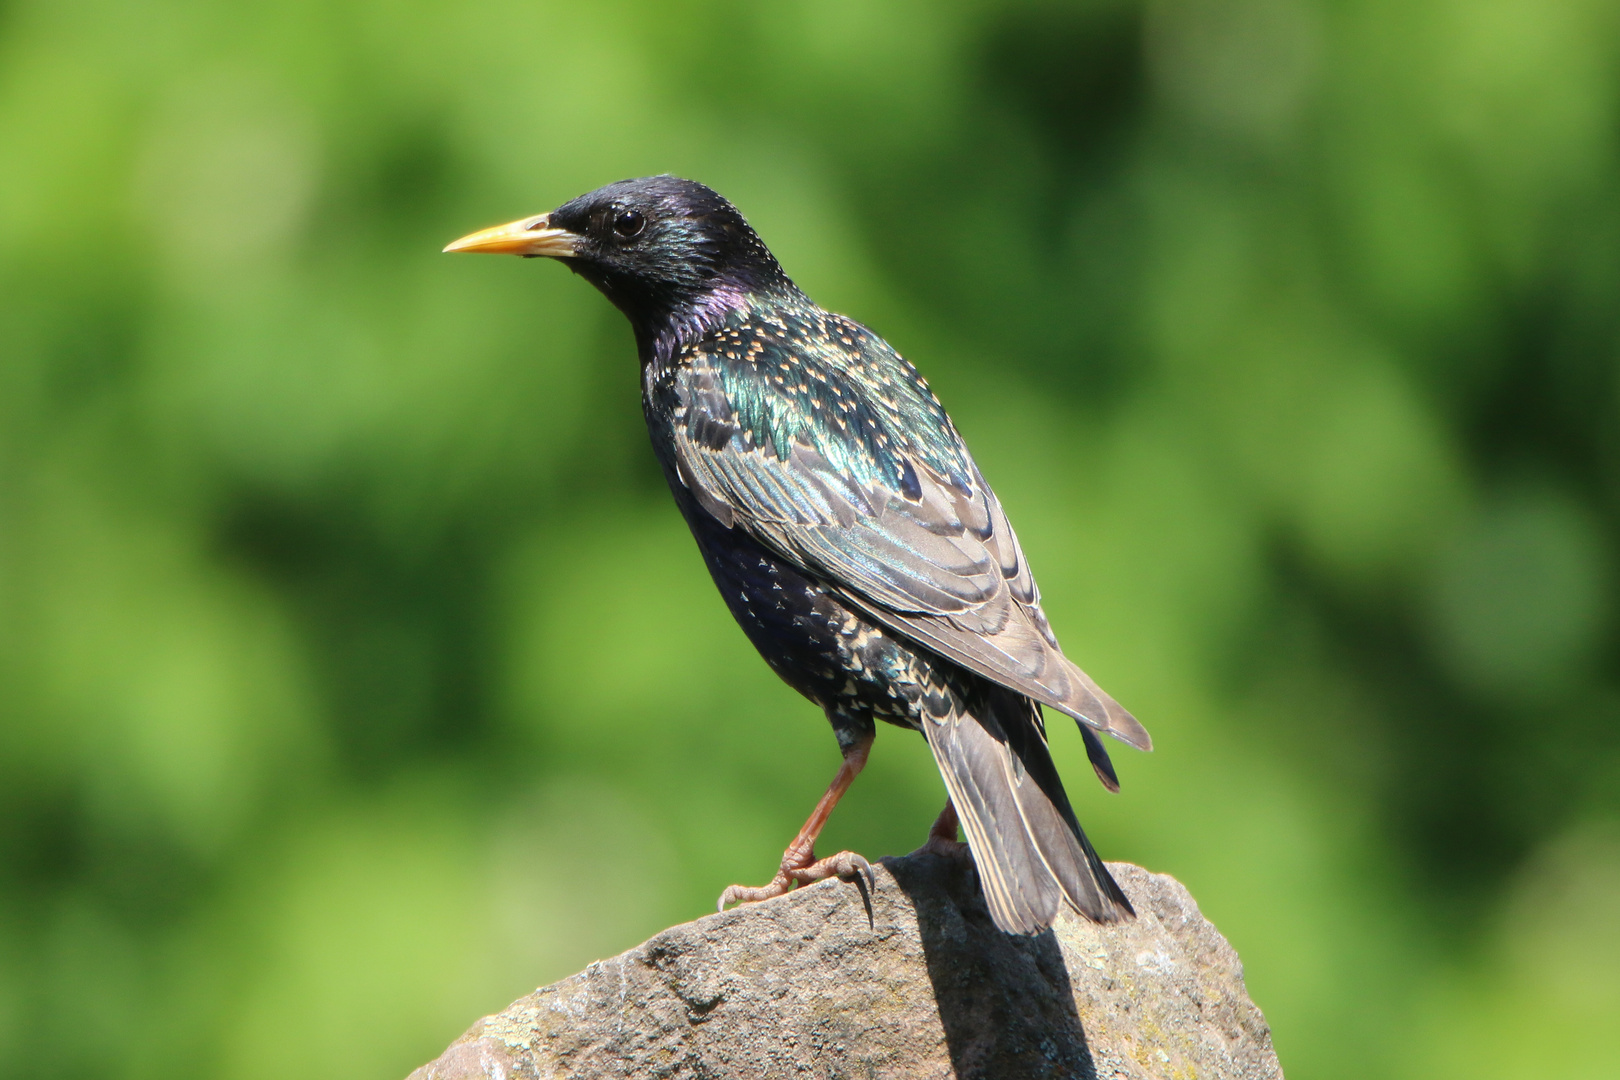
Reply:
x=1097 y=754
x=1032 y=856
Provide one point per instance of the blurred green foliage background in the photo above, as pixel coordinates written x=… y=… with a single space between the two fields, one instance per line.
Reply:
x=357 y=674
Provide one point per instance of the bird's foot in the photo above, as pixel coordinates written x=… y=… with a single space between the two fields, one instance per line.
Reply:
x=942 y=837
x=943 y=846
x=801 y=867
x=846 y=865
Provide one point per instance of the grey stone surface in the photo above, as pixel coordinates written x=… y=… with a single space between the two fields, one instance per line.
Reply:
x=912 y=981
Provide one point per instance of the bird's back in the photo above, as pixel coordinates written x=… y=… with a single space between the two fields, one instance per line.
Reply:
x=808 y=432
x=818 y=472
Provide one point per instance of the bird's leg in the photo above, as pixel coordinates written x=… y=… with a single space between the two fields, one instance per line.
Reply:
x=942 y=837
x=799 y=862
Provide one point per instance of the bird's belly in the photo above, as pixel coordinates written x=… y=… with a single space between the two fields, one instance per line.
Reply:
x=853 y=668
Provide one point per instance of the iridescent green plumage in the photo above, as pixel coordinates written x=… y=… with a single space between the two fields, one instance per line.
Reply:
x=793 y=373
x=851 y=534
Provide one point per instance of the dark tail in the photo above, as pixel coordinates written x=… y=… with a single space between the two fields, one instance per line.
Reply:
x=1033 y=858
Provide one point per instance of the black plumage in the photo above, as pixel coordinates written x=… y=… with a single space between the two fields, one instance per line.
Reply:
x=850 y=532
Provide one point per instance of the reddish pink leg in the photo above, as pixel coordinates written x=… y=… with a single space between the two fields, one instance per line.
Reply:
x=942 y=837
x=799 y=863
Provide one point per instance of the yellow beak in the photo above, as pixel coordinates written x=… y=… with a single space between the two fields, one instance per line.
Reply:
x=529 y=236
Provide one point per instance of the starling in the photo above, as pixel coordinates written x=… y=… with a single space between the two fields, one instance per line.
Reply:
x=851 y=534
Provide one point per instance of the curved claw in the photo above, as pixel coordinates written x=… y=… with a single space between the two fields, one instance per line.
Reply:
x=854 y=864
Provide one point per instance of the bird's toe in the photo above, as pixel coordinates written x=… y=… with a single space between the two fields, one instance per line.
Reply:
x=845 y=865
x=750 y=894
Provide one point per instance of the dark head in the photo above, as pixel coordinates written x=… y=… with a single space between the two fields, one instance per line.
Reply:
x=666 y=251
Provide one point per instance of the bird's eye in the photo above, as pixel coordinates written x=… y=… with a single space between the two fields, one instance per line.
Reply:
x=629 y=223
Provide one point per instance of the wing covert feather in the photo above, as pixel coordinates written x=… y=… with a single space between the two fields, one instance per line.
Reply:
x=907 y=530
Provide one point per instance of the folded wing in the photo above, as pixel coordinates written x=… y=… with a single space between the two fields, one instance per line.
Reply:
x=875 y=493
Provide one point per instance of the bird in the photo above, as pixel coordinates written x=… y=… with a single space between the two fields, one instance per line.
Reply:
x=852 y=536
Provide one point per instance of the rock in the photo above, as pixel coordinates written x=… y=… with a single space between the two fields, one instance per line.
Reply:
x=910 y=981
